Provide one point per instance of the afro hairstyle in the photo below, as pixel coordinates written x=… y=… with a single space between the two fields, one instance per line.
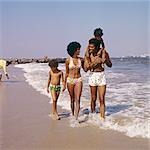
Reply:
x=98 y=32
x=72 y=48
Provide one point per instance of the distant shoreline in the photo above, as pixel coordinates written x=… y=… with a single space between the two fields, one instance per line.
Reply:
x=34 y=60
x=62 y=60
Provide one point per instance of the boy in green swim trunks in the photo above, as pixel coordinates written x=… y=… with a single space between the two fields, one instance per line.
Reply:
x=53 y=85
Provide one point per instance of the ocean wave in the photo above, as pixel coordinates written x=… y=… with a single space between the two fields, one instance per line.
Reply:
x=126 y=109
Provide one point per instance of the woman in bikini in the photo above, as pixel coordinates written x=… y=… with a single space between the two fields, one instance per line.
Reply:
x=73 y=76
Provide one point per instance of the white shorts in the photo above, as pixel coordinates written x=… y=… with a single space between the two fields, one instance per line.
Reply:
x=97 y=79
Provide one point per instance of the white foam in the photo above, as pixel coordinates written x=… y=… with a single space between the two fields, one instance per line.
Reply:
x=126 y=102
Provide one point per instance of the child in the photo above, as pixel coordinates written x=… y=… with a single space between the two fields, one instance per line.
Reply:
x=98 y=33
x=53 y=85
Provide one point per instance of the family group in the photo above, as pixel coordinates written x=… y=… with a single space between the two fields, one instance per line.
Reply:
x=94 y=60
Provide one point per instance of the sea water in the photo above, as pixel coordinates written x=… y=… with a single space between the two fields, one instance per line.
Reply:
x=127 y=95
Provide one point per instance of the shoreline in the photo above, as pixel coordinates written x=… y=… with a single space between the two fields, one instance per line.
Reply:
x=26 y=125
x=46 y=59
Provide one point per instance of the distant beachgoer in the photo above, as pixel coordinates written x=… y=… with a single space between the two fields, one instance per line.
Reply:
x=98 y=33
x=3 y=65
x=53 y=85
x=97 y=79
x=73 y=76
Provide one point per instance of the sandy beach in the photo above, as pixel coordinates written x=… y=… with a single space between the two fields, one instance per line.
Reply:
x=25 y=124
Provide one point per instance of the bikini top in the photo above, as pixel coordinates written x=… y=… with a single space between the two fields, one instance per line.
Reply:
x=72 y=65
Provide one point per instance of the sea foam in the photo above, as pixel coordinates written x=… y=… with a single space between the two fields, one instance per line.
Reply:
x=126 y=101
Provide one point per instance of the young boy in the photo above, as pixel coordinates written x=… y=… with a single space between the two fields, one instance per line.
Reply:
x=53 y=85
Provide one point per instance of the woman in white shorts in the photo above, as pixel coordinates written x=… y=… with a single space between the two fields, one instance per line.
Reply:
x=97 y=79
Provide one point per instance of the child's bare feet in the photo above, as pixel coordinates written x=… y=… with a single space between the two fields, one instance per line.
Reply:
x=54 y=116
x=57 y=117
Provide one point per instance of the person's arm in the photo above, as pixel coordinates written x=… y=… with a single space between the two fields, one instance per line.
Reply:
x=62 y=79
x=87 y=52
x=67 y=73
x=95 y=60
x=108 y=60
x=49 y=81
x=101 y=53
x=87 y=60
x=103 y=56
x=102 y=50
x=83 y=64
x=103 y=44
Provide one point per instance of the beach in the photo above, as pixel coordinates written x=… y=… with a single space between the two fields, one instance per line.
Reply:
x=25 y=124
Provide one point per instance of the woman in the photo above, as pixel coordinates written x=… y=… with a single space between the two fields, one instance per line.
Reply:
x=73 y=76
x=97 y=79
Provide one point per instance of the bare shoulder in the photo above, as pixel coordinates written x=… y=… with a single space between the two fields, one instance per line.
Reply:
x=81 y=58
x=50 y=72
x=67 y=60
x=106 y=51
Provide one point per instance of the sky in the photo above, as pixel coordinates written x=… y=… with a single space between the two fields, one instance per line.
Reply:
x=36 y=28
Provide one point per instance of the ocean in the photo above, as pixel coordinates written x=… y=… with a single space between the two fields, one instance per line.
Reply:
x=127 y=95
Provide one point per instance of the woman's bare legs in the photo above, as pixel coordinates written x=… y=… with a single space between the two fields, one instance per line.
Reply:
x=77 y=92
x=72 y=96
x=102 y=91
x=93 y=90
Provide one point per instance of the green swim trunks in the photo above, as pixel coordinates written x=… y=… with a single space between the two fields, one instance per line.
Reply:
x=56 y=88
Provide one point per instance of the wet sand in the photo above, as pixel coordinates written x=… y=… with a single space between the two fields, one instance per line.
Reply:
x=25 y=124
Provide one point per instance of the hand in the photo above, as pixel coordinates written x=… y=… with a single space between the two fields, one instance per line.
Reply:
x=97 y=60
x=47 y=90
x=86 y=64
x=64 y=87
x=100 y=51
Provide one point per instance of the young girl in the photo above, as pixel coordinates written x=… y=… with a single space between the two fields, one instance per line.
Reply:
x=53 y=85
x=73 y=76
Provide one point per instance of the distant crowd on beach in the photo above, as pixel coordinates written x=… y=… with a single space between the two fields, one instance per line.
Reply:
x=95 y=59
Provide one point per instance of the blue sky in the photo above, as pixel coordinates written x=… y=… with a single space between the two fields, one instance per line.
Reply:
x=45 y=28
